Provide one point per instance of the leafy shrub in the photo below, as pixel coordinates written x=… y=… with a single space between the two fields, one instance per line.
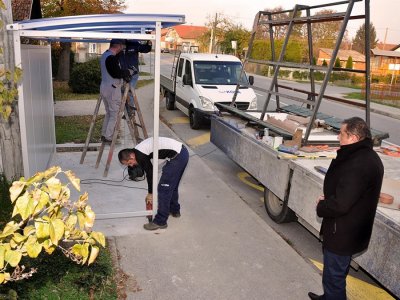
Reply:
x=284 y=73
x=357 y=80
x=86 y=77
x=319 y=76
x=336 y=76
x=300 y=75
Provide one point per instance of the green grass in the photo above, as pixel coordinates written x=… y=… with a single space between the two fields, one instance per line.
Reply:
x=389 y=102
x=74 y=129
x=57 y=276
x=63 y=92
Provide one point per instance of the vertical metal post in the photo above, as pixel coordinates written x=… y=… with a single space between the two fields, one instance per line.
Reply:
x=329 y=71
x=273 y=56
x=156 y=115
x=276 y=72
x=367 y=64
x=310 y=54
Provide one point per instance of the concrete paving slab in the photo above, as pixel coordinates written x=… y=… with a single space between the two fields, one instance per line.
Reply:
x=218 y=249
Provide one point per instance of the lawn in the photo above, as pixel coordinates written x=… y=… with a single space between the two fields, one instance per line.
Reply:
x=395 y=102
x=74 y=129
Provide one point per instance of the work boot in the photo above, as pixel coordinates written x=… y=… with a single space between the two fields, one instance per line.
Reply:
x=175 y=214
x=154 y=226
x=315 y=296
x=106 y=141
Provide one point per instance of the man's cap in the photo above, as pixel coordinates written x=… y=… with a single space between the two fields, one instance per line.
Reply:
x=117 y=42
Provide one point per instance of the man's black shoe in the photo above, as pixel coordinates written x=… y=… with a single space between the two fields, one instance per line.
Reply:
x=175 y=214
x=315 y=296
x=154 y=226
x=106 y=141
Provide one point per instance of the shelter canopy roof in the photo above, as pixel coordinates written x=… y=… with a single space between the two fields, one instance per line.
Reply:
x=99 y=27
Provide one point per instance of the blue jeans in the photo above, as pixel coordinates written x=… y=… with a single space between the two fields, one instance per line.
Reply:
x=336 y=268
x=168 y=197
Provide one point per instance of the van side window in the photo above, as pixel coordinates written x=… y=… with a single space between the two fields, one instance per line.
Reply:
x=188 y=69
x=180 y=67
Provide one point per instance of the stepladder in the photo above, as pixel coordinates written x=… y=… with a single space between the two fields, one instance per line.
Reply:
x=134 y=120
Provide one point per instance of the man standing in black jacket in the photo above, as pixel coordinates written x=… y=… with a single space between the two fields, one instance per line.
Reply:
x=112 y=75
x=351 y=192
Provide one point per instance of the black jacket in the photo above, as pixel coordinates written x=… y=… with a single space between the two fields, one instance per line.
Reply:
x=351 y=188
x=130 y=57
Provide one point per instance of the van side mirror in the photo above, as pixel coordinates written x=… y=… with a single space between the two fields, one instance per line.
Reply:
x=251 y=79
x=187 y=79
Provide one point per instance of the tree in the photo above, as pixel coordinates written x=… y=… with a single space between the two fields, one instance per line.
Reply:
x=236 y=33
x=337 y=63
x=60 y=8
x=349 y=63
x=359 y=39
x=10 y=139
x=279 y=32
x=325 y=34
x=324 y=63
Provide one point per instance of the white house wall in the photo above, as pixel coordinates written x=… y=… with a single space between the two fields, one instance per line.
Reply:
x=37 y=108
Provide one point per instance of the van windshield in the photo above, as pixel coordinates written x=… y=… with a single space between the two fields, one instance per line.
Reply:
x=218 y=72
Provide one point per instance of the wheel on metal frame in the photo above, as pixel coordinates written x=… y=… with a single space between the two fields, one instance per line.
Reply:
x=277 y=209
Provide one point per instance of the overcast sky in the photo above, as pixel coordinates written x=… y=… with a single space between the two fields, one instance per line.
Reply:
x=384 y=13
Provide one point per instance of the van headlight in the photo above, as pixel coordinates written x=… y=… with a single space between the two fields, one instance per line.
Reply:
x=253 y=104
x=206 y=103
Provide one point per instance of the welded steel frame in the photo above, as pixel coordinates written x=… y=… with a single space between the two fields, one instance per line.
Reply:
x=314 y=99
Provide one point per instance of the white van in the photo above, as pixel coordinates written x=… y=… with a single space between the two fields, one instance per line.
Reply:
x=201 y=80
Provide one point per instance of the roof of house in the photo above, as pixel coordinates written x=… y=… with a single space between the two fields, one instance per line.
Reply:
x=378 y=52
x=344 y=54
x=385 y=46
x=25 y=9
x=189 y=31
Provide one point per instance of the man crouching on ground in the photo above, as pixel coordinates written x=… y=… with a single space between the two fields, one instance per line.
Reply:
x=177 y=157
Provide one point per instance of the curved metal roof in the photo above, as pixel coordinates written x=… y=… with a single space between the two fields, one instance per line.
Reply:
x=100 y=27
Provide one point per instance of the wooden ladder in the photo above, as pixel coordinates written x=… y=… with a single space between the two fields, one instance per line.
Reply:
x=134 y=120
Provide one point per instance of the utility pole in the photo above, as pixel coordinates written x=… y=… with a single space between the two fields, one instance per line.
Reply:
x=384 y=40
x=213 y=31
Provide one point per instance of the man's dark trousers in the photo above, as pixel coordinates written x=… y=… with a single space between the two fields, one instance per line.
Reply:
x=168 y=186
x=336 y=268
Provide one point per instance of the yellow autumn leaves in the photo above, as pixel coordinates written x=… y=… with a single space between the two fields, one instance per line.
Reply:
x=45 y=218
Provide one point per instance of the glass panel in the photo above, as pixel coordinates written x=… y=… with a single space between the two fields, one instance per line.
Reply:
x=218 y=73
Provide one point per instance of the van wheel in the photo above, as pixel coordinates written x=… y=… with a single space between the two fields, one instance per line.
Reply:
x=277 y=209
x=169 y=101
x=194 y=118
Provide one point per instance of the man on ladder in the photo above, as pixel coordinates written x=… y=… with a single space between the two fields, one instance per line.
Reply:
x=130 y=59
x=112 y=76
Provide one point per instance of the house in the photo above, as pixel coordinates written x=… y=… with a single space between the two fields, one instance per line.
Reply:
x=184 y=37
x=384 y=62
x=387 y=47
x=357 y=57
